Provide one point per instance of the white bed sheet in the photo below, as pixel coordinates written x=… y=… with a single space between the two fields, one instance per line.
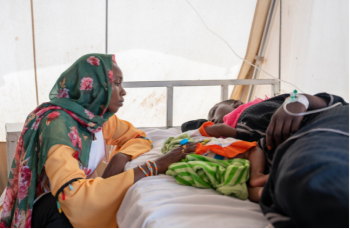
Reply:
x=159 y=201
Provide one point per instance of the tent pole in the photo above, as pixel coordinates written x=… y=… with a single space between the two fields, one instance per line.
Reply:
x=262 y=48
x=280 y=47
x=106 y=26
x=33 y=36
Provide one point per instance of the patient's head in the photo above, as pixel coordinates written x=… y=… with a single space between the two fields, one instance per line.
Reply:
x=219 y=110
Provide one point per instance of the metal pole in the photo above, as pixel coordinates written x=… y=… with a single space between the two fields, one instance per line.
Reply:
x=190 y=83
x=33 y=36
x=106 y=26
x=224 y=92
x=280 y=46
x=262 y=48
x=169 y=108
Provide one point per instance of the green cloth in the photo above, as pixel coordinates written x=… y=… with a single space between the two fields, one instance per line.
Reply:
x=227 y=177
x=77 y=109
x=173 y=142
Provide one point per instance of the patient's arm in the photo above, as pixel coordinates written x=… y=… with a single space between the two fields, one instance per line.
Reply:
x=257 y=179
x=257 y=166
x=116 y=165
x=283 y=125
x=221 y=130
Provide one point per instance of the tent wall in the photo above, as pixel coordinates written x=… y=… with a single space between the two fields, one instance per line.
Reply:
x=64 y=30
x=314 y=48
x=17 y=85
x=152 y=40
x=169 y=42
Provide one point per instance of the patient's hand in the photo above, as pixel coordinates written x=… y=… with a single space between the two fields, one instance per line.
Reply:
x=116 y=165
x=255 y=193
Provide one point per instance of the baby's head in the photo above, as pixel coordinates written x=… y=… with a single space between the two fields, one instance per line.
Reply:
x=219 y=110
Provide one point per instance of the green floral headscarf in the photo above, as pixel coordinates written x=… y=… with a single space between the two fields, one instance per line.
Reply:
x=77 y=109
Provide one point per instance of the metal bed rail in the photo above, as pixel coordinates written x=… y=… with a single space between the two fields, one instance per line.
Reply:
x=190 y=83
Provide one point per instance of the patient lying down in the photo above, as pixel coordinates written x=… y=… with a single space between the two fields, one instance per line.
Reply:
x=220 y=149
x=225 y=157
x=255 y=155
x=223 y=149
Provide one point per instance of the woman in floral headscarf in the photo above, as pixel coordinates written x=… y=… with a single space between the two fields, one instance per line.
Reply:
x=61 y=145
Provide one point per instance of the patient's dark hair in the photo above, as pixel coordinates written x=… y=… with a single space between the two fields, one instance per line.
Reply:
x=229 y=101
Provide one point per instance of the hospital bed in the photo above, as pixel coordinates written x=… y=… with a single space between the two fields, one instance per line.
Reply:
x=159 y=201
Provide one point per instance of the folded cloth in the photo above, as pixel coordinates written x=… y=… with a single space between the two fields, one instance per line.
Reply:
x=173 y=142
x=227 y=177
x=231 y=118
x=233 y=148
x=224 y=147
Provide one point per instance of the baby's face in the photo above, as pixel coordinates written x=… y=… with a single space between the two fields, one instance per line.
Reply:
x=217 y=113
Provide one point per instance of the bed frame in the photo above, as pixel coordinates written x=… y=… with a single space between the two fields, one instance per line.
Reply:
x=13 y=130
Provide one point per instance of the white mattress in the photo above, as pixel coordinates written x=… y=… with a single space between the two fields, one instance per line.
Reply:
x=159 y=201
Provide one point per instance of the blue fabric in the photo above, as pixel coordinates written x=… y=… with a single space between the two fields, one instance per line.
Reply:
x=183 y=141
x=219 y=157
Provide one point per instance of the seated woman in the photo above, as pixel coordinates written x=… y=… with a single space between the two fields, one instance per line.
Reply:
x=61 y=145
x=307 y=156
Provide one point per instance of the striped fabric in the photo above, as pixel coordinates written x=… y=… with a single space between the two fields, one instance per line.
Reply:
x=227 y=177
x=173 y=142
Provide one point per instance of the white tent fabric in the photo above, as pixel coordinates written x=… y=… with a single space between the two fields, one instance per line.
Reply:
x=314 y=48
x=165 y=40
x=152 y=40
x=17 y=85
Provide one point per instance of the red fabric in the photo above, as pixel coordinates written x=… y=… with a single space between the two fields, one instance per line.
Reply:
x=231 y=118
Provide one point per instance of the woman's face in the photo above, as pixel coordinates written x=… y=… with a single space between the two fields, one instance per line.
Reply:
x=217 y=113
x=117 y=90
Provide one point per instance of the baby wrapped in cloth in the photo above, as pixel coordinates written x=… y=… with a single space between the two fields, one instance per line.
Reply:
x=213 y=165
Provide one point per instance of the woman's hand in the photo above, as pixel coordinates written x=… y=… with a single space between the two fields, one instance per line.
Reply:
x=282 y=125
x=175 y=155
x=116 y=165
